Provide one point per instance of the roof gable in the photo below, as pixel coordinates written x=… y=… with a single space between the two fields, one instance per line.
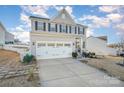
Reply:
x=63 y=17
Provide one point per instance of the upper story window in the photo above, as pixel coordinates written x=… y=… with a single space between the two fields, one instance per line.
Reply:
x=53 y=27
x=63 y=28
x=78 y=30
x=40 y=26
x=73 y=29
x=81 y=30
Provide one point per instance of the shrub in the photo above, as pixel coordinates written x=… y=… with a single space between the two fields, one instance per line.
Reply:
x=28 y=58
x=74 y=54
x=30 y=74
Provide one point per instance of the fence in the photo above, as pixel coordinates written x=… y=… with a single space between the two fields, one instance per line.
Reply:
x=21 y=49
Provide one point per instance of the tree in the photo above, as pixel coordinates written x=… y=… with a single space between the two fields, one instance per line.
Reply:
x=120 y=46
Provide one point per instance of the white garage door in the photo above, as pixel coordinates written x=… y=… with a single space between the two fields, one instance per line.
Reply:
x=46 y=50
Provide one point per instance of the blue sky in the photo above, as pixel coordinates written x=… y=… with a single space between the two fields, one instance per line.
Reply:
x=102 y=20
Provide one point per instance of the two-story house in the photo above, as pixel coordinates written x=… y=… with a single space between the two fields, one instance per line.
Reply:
x=57 y=37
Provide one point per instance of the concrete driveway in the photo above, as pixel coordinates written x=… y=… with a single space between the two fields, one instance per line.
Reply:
x=69 y=72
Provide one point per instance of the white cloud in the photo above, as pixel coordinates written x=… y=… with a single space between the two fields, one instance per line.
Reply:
x=96 y=21
x=120 y=26
x=115 y=17
x=120 y=29
x=25 y=20
x=109 y=9
x=23 y=36
x=38 y=10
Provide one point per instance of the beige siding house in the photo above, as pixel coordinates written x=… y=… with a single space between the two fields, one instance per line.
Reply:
x=57 y=37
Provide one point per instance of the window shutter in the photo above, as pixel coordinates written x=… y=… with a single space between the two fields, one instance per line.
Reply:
x=48 y=26
x=60 y=28
x=66 y=29
x=56 y=27
x=83 y=44
x=44 y=26
x=69 y=29
x=36 y=25
x=83 y=30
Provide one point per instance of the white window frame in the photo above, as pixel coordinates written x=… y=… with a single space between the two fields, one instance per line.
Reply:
x=53 y=27
x=40 y=25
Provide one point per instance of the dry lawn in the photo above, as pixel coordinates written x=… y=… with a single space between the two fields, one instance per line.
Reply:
x=108 y=64
x=10 y=60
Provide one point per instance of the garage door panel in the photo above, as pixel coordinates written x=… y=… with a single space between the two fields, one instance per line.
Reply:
x=53 y=50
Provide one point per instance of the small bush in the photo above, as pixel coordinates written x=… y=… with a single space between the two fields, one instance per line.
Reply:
x=74 y=54
x=30 y=74
x=28 y=58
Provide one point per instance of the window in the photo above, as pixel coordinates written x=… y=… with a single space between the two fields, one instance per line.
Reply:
x=51 y=44
x=41 y=44
x=73 y=29
x=64 y=28
x=40 y=25
x=83 y=44
x=81 y=30
x=59 y=44
x=53 y=27
x=67 y=45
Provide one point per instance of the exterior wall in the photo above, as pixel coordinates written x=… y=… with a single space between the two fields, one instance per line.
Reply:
x=99 y=46
x=2 y=36
x=62 y=31
x=42 y=36
x=9 y=37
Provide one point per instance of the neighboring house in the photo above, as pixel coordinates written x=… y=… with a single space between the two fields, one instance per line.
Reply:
x=57 y=37
x=98 y=45
x=5 y=37
x=118 y=46
x=2 y=35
